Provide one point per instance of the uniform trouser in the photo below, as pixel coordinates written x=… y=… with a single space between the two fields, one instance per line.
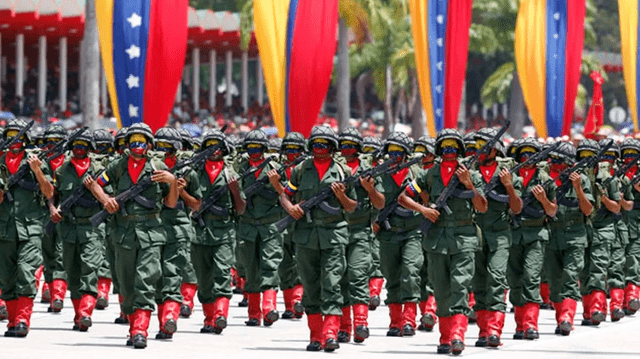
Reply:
x=426 y=289
x=172 y=258
x=567 y=265
x=138 y=270
x=187 y=271
x=81 y=262
x=262 y=258
x=239 y=263
x=375 y=257
x=321 y=271
x=400 y=262
x=451 y=276
x=110 y=256
x=490 y=279
x=596 y=260
x=632 y=261
x=355 y=282
x=19 y=261
x=52 y=257
x=288 y=269
x=104 y=269
x=212 y=266
x=615 y=271
x=523 y=272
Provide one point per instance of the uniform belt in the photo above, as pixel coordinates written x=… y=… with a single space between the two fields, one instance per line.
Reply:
x=69 y=220
x=401 y=229
x=566 y=224
x=532 y=222
x=465 y=222
x=214 y=217
x=360 y=220
x=141 y=217
x=260 y=221
x=327 y=220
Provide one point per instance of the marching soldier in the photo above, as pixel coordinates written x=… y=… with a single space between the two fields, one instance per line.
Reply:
x=631 y=148
x=321 y=236
x=22 y=213
x=139 y=234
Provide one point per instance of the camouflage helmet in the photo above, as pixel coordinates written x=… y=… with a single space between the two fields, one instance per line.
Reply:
x=197 y=143
x=511 y=150
x=351 y=134
x=587 y=145
x=140 y=129
x=566 y=150
x=120 y=138
x=372 y=142
x=469 y=139
x=55 y=131
x=487 y=134
x=449 y=134
x=613 y=148
x=323 y=132
x=524 y=143
x=16 y=125
x=294 y=139
x=399 y=139
x=186 y=138
x=86 y=136
x=169 y=135
x=630 y=144
x=256 y=137
x=101 y=136
x=427 y=142
x=275 y=144
x=37 y=136
x=215 y=136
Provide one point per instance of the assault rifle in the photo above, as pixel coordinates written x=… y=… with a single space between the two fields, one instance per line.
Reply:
x=209 y=203
x=144 y=183
x=622 y=170
x=451 y=189
x=320 y=198
x=489 y=190
x=18 y=177
x=258 y=185
x=10 y=141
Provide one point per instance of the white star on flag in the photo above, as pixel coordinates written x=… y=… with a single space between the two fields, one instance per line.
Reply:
x=133 y=111
x=133 y=51
x=133 y=81
x=135 y=20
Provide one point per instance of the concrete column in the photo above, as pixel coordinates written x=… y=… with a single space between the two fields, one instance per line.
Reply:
x=196 y=78
x=260 y=82
x=179 y=92
x=20 y=67
x=245 y=80
x=42 y=71
x=187 y=77
x=63 y=74
x=103 y=90
x=213 y=82
x=81 y=70
x=229 y=79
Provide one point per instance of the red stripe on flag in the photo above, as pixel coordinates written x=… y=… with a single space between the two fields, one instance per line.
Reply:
x=576 y=10
x=457 y=53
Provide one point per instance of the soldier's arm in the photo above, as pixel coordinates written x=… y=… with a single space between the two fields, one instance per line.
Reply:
x=479 y=201
x=193 y=201
x=515 y=202
x=375 y=196
x=163 y=176
x=45 y=186
x=406 y=200
x=286 y=198
x=585 y=205
x=613 y=202
x=626 y=204
x=239 y=203
x=347 y=203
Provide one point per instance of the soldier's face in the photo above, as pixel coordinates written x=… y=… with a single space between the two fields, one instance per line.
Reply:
x=80 y=149
x=255 y=151
x=138 y=145
x=19 y=144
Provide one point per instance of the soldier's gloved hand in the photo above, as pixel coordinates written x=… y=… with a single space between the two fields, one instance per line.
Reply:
x=163 y=177
x=34 y=163
x=234 y=185
x=274 y=177
x=182 y=183
x=367 y=183
x=464 y=176
x=338 y=189
x=575 y=180
x=296 y=212
x=539 y=192
x=506 y=178
x=376 y=228
x=88 y=182
x=55 y=215
x=112 y=206
x=431 y=214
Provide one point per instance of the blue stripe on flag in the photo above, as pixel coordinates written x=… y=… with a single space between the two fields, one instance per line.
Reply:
x=437 y=24
x=556 y=65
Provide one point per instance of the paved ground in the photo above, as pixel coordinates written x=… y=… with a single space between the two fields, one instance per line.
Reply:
x=51 y=337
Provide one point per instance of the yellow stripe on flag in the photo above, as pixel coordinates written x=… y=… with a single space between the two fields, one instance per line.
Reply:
x=104 y=13
x=418 y=10
x=629 y=40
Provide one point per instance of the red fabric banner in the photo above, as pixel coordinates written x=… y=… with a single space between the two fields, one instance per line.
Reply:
x=575 y=42
x=457 y=53
x=595 y=118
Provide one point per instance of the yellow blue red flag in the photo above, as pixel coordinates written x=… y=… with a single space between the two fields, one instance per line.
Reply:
x=629 y=31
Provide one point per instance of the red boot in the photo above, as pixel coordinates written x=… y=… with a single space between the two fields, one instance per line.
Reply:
x=482 y=317
x=360 y=316
x=24 y=308
x=598 y=307
x=615 y=305
x=287 y=295
x=566 y=315
x=518 y=316
x=409 y=313
x=12 y=312
x=495 y=323
x=344 y=335
x=316 y=324
x=269 y=309
x=634 y=301
x=122 y=319
x=428 y=311
x=104 y=286
x=139 y=326
x=530 y=320
x=255 y=313
x=188 y=291
x=76 y=310
x=375 y=288
x=545 y=292
x=168 y=319
x=38 y=275
x=330 y=332
x=58 y=289
x=586 y=305
x=3 y=309
x=445 y=335
x=472 y=303
x=221 y=314
x=396 y=316
x=45 y=296
x=85 y=311
x=209 y=311
x=459 y=323
x=298 y=308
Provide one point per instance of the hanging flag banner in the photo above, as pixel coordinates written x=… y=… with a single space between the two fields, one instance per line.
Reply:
x=143 y=44
x=440 y=31
x=595 y=117
x=548 y=50
x=629 y=31
x=310 y=51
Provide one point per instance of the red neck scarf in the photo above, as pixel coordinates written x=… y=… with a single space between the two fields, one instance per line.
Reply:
x=428 y=165
x=556 y=176
x=488 y=171
x=632 y=172
x=354 y=164
x=13 y=161
x=81 y=165
x=399 y=176
x=213 y=169
x=447 y=169
x=170 y=161
x=527 y=175
x=322 y=166
x=256 y=164
x=55 y=163
x=135 y=168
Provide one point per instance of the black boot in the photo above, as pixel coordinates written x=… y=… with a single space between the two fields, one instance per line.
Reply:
x=121 y=320
x=243 y=303
x=163 y=336
x=482 y=342
x=185 y=311
x=139 y=341
x=343 y=337
x=565 y=328
x=444 y=349
x=494 y=341
x=22 y=330
x=288 y=314
x=252 y=322
x=10 y=333
x=531 y=334
x=314 y=347
x=617 y=315
x=271 y=318
x=331 y=345
x=457 y=346
x=84 y=324
x=394 y=332
x=518 y=336
x=408 y=331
